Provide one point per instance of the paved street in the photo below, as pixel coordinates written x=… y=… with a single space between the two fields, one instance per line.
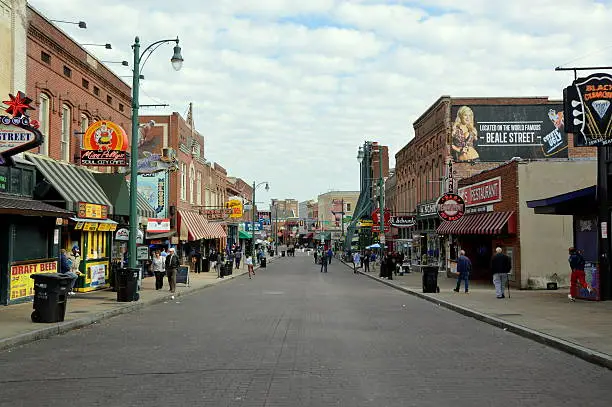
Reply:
x=295 y=337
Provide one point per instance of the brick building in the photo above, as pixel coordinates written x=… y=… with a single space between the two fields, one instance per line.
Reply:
x=237 y=187
x=503 y=128
x=70 y=89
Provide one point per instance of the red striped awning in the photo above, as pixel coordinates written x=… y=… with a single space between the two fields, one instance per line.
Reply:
x=215 y=231
x=195 y=223
x=490 y=223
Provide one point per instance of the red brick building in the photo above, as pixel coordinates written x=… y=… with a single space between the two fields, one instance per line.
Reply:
x=422 y=166
x=70 y=89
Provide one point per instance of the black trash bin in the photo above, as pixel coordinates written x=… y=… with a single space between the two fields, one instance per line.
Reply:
x=262 y=262
x=205 y=265
x=127 y=284
x=283 y=253
x=229 y=268
x=430 y=279
x=50 y=296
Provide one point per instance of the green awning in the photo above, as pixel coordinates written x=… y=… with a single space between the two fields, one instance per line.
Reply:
x=244 y=235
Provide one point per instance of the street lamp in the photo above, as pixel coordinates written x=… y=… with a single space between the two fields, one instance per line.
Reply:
x=107 y=45
x=81 y=24
x=381 y=199
x=124 y=63
x=254 y=213
x=177 y=62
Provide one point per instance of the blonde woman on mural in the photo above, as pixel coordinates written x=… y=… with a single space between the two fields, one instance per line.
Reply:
x=464 y=135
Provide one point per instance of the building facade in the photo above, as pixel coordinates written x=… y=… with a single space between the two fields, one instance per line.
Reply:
x=12 y=46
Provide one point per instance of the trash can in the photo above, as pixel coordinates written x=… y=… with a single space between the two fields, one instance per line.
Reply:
x=430 y=279
x=262 y=262
x=50 y=296
x=205 y=265
x=283 y=253
x=127 y=284
x=229 y=267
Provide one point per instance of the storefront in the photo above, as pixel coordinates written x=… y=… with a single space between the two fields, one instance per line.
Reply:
x=29 y=237
x=90 y=229
x=196 y=233
x=428 y=247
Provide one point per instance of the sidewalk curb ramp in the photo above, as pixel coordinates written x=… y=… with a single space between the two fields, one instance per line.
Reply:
x=60 y=328
x=589 y=355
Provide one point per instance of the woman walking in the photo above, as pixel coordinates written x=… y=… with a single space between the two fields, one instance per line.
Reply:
x=159 y=269
x=249 y=263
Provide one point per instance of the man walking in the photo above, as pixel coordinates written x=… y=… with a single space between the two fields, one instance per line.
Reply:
x=356 y=260
x=500 y=267
x=464 y=267
x=324 y=263
x=577 y=276
x=238 y=257
x=366 y=262
x=330 y=254
x=172 y=265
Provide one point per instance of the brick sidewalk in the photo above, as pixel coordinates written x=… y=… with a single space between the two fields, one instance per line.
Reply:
x=583 y=326
x=87 y=308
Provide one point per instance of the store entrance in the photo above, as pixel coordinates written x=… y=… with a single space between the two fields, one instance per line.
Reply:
x=478 y=248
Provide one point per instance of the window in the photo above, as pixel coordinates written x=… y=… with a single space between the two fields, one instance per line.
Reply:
x=121 y=107
x=67 y=72
x=43 y=119
x=109 y=99
x=191 y=183
x=199 y=189
x=183 y=182
x=84 y=123
x=85 y=83
x=348 y=207
x=46 y=58
x=96 y=91
x=65 y=138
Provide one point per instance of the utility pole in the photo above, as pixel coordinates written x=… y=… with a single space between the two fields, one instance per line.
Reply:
x=381 y=199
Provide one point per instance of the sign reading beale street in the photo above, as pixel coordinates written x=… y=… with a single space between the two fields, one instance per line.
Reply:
x=482 y=193
x=17 y=132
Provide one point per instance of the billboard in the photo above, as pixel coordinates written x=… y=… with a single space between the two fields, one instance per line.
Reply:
x=154 y=189
x=501 y=132
x=587 y=107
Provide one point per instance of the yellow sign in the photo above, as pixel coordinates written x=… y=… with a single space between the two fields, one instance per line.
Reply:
x=90 y=226
x=366 y=223
x=21 y=285
x=92 y=211
x=236 y=206
x=112 y=227
x=79 y=226
x=104 y=227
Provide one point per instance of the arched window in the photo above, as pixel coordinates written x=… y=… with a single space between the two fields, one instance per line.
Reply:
x=65 y=137
x=191 y=183
x=84 y=122
x=199 y=188
x=183 y=182
x=43 y=119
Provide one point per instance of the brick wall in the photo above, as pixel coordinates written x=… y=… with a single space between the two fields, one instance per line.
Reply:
x=49 y=78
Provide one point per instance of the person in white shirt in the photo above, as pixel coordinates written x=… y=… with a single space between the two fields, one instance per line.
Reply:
x=249 y=263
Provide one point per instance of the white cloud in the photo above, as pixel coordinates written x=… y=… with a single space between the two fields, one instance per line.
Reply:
x=286 y=91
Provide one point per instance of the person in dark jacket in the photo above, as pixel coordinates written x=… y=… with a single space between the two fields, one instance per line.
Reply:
x=576 y=262
x=500 y=267
x=464 y=268
x=172 y=265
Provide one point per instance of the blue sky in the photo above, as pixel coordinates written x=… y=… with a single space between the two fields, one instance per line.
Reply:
x=286 y=91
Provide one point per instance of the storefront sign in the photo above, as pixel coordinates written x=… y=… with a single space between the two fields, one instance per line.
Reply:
x=104 y=227
x=123 y=235
x=104 y=144
x=142 y=253
x=587 y=108
x=236 y=206
x=17 y=132
x=90 y=226
x=79 y=226
x=158 y=225
x=501 y=132
x=21 y=285
x=217 y=214
x=482 y=193
x=403 y=221
x=450 y=207
x=366 y=223
x=92 y=211
x=98 y=275
x=479 y=209
x=426 y=209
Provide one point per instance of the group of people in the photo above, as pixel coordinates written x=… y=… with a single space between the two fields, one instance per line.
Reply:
x=165 y=263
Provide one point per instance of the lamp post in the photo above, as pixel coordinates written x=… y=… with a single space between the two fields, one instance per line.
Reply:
x=381 y=199
x=177 y=63
x=254 y=213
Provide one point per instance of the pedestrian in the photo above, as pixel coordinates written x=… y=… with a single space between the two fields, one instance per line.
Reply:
x=324 y=264
x=577 y=276
x=172 y=265
x=249 y=263
x=500 y=267
x=219 y=263
x=366 y=262
x=73 y=261
x=356 y=260
x=315 y=254
x=464 y=268
x=158 y=267
x=330 y=254
x=390 y=266
x=238 y=257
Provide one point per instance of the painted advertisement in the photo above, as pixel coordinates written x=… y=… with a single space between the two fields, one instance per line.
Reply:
x=98 y=275
x=502 y=132
x=154 y=189
x=21 y=285
x=153 y=157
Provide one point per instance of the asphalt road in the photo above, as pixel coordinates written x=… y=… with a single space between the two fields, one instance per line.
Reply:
x=293 y=336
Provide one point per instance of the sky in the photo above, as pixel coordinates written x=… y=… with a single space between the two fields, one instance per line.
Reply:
x=285 y=91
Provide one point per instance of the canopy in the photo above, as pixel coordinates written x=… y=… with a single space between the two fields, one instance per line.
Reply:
x=244 y=235
x=373 y=246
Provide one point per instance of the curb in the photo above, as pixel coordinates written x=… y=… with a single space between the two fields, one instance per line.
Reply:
x=589 y=355
x=60 y=328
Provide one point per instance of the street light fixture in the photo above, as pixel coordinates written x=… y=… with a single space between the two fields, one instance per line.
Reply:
x=81 y=24
x=254 y=213
x=177 y=61
x=124 y=63
x=107 y=45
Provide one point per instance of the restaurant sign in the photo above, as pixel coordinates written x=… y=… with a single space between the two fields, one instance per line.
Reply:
x=450 y=207
x=155 y=225
x=92 y=211
x=586 y=104
x=21 y=285
x=217 y=214
x=403 y=221
x=17 y=132
x=426 y=209
x=105 y=144
x=482 y=193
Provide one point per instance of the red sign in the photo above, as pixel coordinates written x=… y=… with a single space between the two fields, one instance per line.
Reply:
x=376 y=225
x=450 y=207
x=161 y=225
x=482 y=193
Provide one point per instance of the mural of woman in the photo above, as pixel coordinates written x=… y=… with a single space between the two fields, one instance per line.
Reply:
x=464 y=135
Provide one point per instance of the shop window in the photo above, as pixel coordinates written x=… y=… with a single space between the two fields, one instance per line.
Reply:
x=43 y=119
x=46 y=58
x=31 y=239
x=96 y=245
